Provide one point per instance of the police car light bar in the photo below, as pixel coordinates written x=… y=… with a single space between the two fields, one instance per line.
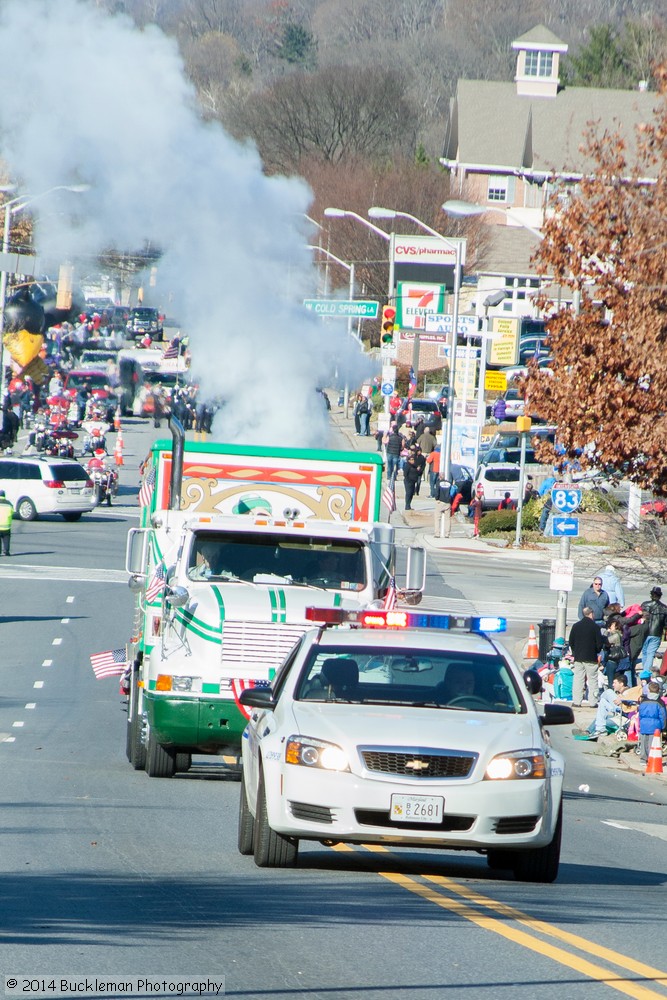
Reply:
x=405 y=619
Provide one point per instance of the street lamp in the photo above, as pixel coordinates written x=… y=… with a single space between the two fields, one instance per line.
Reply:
x=11 y=207
x=348 y=267
x=457 y=246
x=467 y=208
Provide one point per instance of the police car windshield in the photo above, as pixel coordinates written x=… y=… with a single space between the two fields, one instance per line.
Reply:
x=457 y=681
x=275 y=558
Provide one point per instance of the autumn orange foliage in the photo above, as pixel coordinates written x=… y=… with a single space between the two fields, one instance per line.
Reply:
x=608 y=393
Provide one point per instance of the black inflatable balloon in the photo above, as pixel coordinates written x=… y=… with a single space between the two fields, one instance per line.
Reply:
x=23 y=313
x=44 y=293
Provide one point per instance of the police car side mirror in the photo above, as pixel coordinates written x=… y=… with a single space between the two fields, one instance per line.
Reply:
x=557 y=715
x=259 y=697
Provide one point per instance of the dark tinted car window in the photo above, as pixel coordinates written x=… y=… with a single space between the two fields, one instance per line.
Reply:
x=502 y=475
x=8 y=470
x=69 y=473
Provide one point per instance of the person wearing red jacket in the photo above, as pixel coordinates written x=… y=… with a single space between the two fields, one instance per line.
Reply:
x=395 y=402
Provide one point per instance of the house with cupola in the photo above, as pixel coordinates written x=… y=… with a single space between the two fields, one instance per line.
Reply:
x=510 y=146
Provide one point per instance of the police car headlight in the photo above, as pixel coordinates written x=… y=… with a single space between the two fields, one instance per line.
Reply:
x=308 y=752
x=518 y=764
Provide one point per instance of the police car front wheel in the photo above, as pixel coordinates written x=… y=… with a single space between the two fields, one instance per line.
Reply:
x=271 y=849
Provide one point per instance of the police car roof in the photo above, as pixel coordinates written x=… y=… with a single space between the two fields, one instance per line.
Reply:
x=436 y=640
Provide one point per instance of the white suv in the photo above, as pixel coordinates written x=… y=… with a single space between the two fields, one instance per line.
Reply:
x=37 y=486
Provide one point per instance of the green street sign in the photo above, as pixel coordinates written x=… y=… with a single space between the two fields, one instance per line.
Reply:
x=358 y=308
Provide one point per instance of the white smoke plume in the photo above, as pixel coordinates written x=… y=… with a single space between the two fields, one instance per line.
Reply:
x=89 y=98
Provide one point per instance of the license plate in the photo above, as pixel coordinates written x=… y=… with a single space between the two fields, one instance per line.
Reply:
x=74 y=489
x=424 y=808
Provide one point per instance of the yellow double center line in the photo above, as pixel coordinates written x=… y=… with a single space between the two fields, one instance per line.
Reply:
x=608 y=977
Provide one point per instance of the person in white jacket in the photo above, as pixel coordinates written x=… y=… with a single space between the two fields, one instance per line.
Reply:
x=612 y=584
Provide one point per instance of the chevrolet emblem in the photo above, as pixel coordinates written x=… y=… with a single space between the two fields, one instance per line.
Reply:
x=417 y=765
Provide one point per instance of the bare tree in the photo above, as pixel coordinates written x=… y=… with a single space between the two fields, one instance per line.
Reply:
x=354 y=186
x=331 y=115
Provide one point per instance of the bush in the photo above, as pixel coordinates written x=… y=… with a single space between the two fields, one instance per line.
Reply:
x=505 y=520
x=497 y=520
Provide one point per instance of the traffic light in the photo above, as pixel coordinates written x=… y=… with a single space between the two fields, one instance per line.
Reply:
x=388 y=324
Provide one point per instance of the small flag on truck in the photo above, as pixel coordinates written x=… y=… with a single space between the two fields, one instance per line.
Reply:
x=389 y=498
x=147 y=487
x=111 y=663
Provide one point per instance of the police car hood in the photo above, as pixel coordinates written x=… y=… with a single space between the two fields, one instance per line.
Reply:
x=350 y=726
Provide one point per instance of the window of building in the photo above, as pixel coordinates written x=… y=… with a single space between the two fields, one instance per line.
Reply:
x=501 y=189
x=539 y=63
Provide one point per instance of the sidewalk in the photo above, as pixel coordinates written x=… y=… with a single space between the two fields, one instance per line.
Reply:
x=420 y=517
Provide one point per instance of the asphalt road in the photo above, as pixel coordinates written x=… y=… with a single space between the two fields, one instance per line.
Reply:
x=106 y=873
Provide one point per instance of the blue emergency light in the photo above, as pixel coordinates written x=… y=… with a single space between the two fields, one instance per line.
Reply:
x=398 y=619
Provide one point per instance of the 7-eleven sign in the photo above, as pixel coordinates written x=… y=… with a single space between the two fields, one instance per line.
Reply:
x=415 y=301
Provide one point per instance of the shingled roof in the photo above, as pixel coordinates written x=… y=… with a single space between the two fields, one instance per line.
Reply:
x=491 y=126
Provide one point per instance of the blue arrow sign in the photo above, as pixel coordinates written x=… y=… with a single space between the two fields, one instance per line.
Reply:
x=565 y=497
x=387 y=388
x=562 y=526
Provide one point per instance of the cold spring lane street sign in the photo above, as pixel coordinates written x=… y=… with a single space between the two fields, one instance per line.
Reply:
x=362 y=308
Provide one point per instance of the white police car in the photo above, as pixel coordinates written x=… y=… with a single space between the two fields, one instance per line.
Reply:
x=394 y=731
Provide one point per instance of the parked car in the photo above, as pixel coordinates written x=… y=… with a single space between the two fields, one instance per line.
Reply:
x=440 y=396
x=39 y=485
x=515 y=403
x=415 y=409
x=496 y=479
x=463 y=478
x=530 y=346
x=144 y=320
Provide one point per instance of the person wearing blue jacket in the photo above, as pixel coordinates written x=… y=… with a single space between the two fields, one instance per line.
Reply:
x=652 y=716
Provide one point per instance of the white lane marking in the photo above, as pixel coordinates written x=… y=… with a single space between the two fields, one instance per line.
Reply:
x=38 y=684
x=64 y=621
x=650 y=829
x=57 y=642
x=47 y=663
x=31 y=704
x=17 y=725
x=70 y=600
x=9 y=739
x=70 y=574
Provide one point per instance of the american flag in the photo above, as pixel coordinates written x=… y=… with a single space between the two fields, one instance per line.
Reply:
x=390 y=596
x=172 y=349
x=147 y=487
x=111 y=663
x=412 y=379
x=156 y=585
x=240 y=684
x=389 y=498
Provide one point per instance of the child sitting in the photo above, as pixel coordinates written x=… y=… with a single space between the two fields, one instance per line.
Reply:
x=652 y=716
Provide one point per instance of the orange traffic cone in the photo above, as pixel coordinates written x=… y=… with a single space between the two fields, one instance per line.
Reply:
x=532 y=649
x=118 y=450
x=654 y=762
x=116 y=419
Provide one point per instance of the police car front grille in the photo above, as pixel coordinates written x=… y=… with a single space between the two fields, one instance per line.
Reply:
x=250 y=643
x=311 y=813
x=419 y=763
x=516 y=824
x=378 y=817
